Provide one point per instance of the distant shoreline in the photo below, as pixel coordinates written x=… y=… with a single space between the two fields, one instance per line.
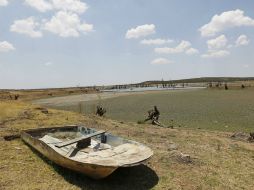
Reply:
x=151 y=89
x=70 y=99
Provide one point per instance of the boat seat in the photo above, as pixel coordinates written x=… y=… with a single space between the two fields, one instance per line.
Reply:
x=80 y=139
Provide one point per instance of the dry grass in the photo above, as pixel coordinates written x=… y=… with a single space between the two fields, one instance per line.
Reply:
x=217 y=161
x=43 y=93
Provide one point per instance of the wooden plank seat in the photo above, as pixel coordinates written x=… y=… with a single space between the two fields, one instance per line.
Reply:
x=81 y=141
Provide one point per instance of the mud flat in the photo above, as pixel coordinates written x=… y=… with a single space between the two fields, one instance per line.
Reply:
x=214 y=109
x=74 y=99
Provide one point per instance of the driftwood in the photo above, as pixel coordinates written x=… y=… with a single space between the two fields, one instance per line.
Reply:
x=11 y=137
x=154 y=115
x=100 y=111
x=158 y=123
x=16 y=97
x=43 y=110
x=243 y=136
x=251 y=137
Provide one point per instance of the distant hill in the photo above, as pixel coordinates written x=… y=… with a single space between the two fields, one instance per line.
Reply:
x=200 y=80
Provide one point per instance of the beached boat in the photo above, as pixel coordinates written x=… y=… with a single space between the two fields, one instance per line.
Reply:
x=92 y=152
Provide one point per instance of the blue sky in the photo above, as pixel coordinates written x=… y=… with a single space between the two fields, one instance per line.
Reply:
x=58 y=43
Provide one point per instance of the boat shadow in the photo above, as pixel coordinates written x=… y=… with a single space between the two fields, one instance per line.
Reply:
x=139 y=177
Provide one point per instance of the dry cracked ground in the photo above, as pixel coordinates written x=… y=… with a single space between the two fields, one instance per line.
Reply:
x=216 y=161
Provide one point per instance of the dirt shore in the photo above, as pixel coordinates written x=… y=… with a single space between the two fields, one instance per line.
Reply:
x=216 y=161
x=71 y=99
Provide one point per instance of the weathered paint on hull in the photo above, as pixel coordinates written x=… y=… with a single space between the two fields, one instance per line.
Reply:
x=91 y=170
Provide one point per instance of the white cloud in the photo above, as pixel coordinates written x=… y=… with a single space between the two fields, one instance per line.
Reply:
x=3 y=2
x=140 y=31
x=63 y=23
x=182 y=47
x=161 y=61
x=217 y=43
x=191 y=51
x=6 y=46
x=216 y=54
x=157 y=41
x=215 y=47
x=67 y=24
x=76 y=6
x=48 y=63
x=242 y=40
x=225 y=20
x=27 y=26
x=40 y=5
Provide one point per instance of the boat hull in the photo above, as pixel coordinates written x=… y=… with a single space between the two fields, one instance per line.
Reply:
x=90 y=167
x=91 y=170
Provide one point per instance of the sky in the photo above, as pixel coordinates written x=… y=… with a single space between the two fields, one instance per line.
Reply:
x=63 y=43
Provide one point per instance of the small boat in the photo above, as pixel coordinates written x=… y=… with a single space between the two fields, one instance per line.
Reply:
x=93 y=152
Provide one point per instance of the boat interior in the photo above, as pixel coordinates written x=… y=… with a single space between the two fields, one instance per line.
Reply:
x=90 y=145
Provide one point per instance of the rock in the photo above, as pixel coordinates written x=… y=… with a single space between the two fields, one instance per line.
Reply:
x=43 y=110
x=234 y=146
x=181 y=157
x=240 y=136
x=185 y=158
x=174 y=153
x=173 y=147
